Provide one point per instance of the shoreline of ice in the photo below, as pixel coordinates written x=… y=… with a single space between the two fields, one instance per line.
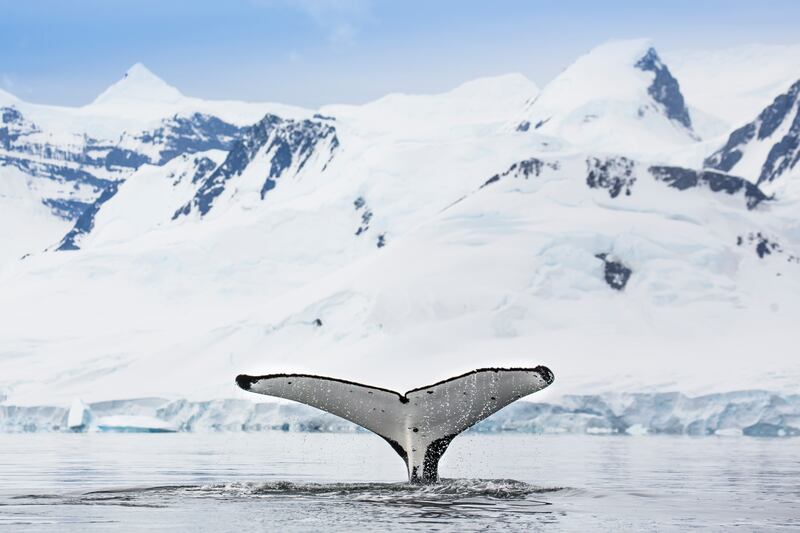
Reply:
x=750 y=413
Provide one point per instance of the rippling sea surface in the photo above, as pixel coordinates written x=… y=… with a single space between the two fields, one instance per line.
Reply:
x=278 y=481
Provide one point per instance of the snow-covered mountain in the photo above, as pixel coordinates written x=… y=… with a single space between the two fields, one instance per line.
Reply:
x=618 y=97
x=396 y=242
x=138 y=88
x=140 y=120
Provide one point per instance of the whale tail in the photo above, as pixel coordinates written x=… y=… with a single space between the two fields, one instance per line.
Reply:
x=419 y=424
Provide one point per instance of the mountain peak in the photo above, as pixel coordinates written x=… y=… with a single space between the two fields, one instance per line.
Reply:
x=622 y=51
x=606 y=72
x=138 y=70
x=139 y=84
x=664 y=88
x=616 y=95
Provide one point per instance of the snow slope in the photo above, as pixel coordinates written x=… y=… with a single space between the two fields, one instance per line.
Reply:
x=734 y=84
x=26 y=225
x=414 y=238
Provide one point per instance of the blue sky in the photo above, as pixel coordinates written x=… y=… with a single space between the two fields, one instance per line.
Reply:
x=309 y=52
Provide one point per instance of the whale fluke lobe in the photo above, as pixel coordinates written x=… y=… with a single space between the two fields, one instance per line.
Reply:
x=419 y=424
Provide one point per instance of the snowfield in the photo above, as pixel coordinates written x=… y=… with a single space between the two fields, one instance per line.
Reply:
x=584 y=226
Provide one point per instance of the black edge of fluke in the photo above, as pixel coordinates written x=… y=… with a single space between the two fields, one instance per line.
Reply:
x=543 y=371
x=546 y=374
x=245 y=381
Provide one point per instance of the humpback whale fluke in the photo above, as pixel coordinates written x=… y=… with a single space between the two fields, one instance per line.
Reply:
x=419 y=424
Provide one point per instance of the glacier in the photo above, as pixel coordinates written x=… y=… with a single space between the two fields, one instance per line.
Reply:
x=741 y=413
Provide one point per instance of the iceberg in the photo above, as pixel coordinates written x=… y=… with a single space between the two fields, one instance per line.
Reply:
x=133 y=424
x=79 y=416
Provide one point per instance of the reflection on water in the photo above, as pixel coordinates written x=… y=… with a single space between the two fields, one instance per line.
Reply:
x=296 y=482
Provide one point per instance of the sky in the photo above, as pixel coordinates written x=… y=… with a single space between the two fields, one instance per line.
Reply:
x=314 y=52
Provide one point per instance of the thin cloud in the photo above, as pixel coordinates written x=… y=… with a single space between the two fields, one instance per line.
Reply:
x=339 y=18
x=8 y=83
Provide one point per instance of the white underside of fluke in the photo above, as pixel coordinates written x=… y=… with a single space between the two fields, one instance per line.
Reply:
x=419 y=424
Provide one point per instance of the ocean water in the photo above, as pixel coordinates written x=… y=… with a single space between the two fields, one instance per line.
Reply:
x=277 y=481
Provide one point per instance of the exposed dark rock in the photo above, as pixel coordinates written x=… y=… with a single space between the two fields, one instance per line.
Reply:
x=187 y=135
x=12 y=126
x=10 y=115
x=366 y=215
x=765 y=246
x=203 y=166
x=784 y=153
x=288 y=141
x=523 y=169
x=493 y=179
x=66 y=208
x=683 y=178
x=616 y=273
x=665 y=89
x=85 y=222
x=773 y=115
x=48 y=162
x=381 y=240
x=296 y=141
x=525 y=125
x=730 y=154
x=613 y=173
x=122 y=158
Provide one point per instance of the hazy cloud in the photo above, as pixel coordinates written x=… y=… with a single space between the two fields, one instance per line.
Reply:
x=339 y=18
x=8 y=83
